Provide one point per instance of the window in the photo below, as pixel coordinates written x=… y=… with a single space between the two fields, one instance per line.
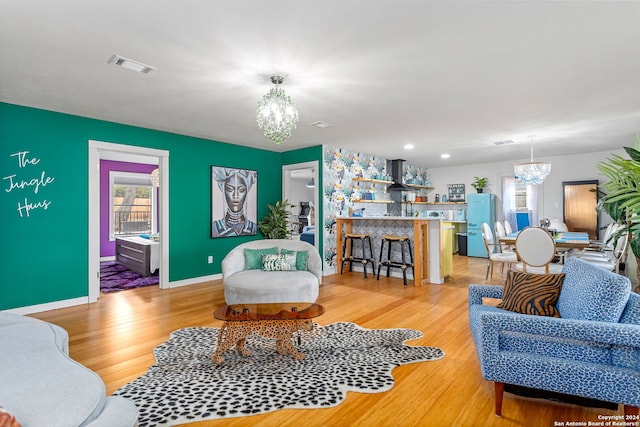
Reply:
x=520 y=202
x=133 y=208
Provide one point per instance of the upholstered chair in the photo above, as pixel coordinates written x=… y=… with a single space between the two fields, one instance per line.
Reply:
x=592 y=350
x=494 y=251
x=536 y=250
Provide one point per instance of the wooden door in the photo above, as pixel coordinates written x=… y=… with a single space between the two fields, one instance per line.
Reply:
x=580 y=199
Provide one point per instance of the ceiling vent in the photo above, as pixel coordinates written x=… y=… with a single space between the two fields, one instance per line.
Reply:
x=321 y=125
x=507 y=142
x=130 y=64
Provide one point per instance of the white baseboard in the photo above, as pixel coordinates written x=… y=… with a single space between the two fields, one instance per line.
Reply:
x=195 y=280
x=49 y=306
x=329 y=271
x=85 y=300
x=107 y=258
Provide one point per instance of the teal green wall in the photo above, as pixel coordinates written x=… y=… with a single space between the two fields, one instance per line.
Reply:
x=44 y=257
x=308 y=155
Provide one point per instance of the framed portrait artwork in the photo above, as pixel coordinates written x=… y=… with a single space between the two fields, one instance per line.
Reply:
x=234 y=199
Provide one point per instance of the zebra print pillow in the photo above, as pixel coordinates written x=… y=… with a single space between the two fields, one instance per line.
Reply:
x=535 y=294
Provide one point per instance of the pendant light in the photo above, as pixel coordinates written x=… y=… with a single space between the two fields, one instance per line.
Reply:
x=276 y=115
x=532 y=172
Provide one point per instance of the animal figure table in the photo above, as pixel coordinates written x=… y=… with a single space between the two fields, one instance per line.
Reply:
x=270 y=320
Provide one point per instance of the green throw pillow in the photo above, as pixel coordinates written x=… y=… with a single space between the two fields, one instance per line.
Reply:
x=279 y=262
x=535 y=294
x=301 y=258
x=253 y=257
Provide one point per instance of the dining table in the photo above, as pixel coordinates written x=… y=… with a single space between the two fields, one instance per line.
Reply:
x=566 y=239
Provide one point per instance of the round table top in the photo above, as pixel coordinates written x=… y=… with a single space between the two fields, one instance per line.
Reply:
x=269 y=311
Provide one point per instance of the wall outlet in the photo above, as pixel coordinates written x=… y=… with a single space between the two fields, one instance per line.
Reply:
x=210 y=259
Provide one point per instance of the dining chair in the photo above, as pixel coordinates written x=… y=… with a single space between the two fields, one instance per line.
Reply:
x=500 y=233
x=494 y=250
x=558 y=225
x=608 y=238
x=507 y=227
x=536 y=249
x=609 y=260
x=604 y=248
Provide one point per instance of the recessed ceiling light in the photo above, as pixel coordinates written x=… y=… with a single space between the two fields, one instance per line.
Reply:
x=409 y=146
x=321 y=124
x=445 y=155
x=130 y=64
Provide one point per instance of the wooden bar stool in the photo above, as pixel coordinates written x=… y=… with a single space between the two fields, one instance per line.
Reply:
x=389 y=263
x=364 y=239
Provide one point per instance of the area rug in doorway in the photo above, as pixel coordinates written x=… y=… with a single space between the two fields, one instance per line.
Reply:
x=114 y=278
x=185 y=386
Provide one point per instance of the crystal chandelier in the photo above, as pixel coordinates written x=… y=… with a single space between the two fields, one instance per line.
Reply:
x=276 y=114
x=532 y=172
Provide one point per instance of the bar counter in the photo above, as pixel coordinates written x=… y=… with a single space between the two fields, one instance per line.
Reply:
x=426 y=234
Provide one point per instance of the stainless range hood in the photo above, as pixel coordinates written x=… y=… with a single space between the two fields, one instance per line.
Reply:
x=396 y=176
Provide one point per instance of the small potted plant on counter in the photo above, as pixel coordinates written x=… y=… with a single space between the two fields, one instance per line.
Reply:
x=479 y=183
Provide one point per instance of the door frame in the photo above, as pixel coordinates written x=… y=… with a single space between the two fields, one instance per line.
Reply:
x=314 y=165
x=97 y=151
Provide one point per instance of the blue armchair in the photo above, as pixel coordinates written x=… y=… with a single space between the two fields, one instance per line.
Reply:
x=592 y=350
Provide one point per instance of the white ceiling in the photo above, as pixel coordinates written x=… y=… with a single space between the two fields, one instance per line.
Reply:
x=447 y=76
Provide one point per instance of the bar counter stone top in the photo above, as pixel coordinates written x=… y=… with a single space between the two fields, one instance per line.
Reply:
x=395 y=218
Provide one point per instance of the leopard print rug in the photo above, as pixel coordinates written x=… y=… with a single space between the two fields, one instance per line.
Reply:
x=185 y=386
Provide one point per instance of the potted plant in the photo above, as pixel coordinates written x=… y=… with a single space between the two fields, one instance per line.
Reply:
x=479 y=183
x=622 y=200
x=275 y=225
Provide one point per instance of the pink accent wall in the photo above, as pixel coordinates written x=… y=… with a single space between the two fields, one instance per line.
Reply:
x=108 y=248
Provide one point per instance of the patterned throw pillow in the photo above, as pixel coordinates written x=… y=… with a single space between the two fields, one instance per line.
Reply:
x=536 y=294
x=301 y=258
x=281 y=262
x=253 y=257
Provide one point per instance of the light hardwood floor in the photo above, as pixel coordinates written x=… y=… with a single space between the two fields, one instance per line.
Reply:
x=115 y=338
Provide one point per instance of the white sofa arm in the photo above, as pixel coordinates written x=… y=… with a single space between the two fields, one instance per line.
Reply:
x=233 y=263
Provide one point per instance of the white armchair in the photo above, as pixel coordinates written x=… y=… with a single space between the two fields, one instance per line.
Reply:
x=251 y=286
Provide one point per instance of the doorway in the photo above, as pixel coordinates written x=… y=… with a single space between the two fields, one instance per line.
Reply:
x=580 y=199
x=301 y=188
x=103 y=150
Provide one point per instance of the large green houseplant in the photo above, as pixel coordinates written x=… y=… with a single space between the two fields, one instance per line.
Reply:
x=622 y=198
x=275 y=225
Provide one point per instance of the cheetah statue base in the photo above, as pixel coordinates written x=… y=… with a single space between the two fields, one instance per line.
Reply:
x=236 y=333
